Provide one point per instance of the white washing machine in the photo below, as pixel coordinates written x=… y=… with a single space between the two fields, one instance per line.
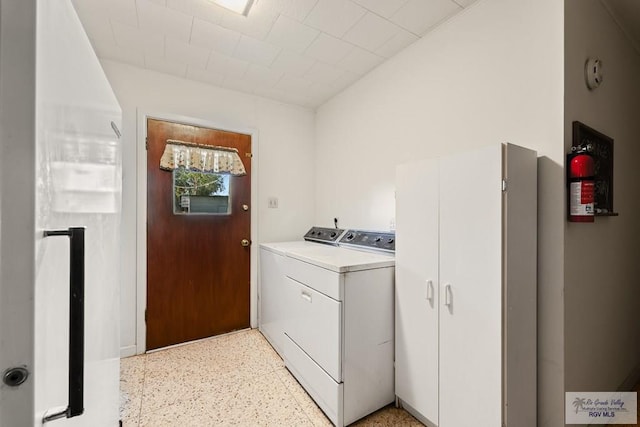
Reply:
x=328 y=311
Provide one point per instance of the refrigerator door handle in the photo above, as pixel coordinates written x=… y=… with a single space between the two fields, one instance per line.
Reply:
x=76 y=322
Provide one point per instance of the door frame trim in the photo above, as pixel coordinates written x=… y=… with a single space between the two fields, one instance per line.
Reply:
x=141 y=211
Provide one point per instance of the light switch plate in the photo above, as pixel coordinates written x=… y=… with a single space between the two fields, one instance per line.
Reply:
x=273 y=202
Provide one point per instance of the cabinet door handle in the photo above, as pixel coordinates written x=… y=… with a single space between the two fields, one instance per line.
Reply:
x=448 y=296
x=305 y=296
x=429 y=296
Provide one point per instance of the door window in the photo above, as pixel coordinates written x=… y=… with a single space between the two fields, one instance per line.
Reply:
x=201 y=193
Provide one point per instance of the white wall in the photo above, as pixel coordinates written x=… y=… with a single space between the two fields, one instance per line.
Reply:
x=284 y=158
x=491 y=74
x=602 y=327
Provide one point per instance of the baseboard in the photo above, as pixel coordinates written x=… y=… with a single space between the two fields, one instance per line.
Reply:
x=127 y=351
x=632 y=379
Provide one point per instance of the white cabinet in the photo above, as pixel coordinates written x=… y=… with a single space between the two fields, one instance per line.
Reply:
x=466 y=288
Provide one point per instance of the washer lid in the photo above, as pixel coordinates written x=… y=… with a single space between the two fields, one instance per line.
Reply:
x=341 y=260
x=282 y=248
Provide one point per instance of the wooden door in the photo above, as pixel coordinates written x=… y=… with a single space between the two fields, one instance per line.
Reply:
x=471 y=288
x=197 y=269
x=417 y=286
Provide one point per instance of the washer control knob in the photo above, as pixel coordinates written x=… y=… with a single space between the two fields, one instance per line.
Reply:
x=350 y=236
x=390 y=241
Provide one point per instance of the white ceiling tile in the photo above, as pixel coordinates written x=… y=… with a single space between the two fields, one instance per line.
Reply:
x=212 y=36
x=320 y=93
x=205 y=76
x=109 y=50
x=384 y=8
x=345 y=80
x=335 y=17
x=126 y=56
x=292 y=84
x=97 y=27
x=185 y=53
x=226 y=65
x=371 y=32
x=323 y=74
x=395 y=44
x=239 y=84
x=184 y=6
x=162 y=20
x=123 y=10
x=360 y=61
x=290 y=34
x=101 y=46
x=256 y=51
x=164 y=66
x=133 y=38
x=292 y=63
x=262 y=76
x=465 y=3
x=328 y=49
x=256 y=25
x=296 y=9
x=289 y=97
x=418 y=16
x=120 y=10
x=202 y=9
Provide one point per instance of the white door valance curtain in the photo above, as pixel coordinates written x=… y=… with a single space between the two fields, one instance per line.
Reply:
x=202 y=158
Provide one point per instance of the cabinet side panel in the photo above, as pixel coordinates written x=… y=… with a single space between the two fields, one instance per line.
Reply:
x=368 y=342
x=520 y=283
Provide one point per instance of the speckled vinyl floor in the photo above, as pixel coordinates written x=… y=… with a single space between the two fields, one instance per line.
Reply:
x=234 y=379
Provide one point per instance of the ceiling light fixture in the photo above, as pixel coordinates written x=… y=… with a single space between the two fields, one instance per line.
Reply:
x=239 y=6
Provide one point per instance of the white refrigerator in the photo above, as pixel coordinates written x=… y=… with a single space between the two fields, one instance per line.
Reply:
x=60 y=222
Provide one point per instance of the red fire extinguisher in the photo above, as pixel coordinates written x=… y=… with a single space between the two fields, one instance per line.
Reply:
x=581 y=191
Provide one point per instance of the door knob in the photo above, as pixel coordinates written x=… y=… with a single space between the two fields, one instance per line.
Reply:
x=245 y=242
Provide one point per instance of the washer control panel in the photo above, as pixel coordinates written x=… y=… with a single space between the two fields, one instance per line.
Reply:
x=369 y=240
x=324 y=235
